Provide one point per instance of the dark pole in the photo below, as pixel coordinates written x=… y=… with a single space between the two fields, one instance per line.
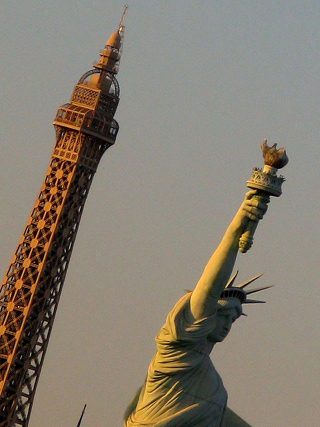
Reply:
x=79 y=422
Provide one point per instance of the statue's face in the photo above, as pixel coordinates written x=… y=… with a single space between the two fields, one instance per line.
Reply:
x=223 y=323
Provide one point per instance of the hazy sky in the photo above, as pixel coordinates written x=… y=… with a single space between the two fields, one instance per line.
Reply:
x=202 y=84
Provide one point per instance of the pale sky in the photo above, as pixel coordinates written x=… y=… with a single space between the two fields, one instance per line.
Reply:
x=202 y=84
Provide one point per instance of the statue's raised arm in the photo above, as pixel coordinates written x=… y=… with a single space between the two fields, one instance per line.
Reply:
x=204 y=298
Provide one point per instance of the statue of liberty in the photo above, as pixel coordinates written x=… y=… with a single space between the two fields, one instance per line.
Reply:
x=182 y=387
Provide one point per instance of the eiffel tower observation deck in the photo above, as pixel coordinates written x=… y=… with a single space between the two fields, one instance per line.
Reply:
x=30 y=291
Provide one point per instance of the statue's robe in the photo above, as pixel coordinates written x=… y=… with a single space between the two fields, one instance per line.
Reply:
x=182 y=388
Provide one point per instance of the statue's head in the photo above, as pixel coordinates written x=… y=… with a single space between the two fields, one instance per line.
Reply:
x=229 y=307
x=229 y=310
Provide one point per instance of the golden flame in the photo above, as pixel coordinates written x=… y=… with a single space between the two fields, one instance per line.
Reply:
x=273 y=157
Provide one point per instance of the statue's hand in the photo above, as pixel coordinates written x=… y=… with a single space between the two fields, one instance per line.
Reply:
x=253 y=208
x=255 y=204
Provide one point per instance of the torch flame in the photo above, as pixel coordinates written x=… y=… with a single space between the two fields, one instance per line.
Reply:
x=273 y=157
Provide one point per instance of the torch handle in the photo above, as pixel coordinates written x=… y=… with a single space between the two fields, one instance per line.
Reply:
x=246 y=240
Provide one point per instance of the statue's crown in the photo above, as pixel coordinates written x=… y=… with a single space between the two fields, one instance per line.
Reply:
x=238 y=291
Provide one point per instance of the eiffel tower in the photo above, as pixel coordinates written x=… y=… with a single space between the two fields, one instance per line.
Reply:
x=30 y=291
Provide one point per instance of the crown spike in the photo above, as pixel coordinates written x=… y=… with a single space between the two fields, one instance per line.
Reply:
x=231 y=281
x=253 y=301
x=252 y=291
x=244 y=284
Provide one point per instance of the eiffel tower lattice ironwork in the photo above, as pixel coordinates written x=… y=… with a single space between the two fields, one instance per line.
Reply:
x=31 y=288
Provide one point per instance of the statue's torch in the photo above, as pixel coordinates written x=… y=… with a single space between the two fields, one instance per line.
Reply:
x=267 y=183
